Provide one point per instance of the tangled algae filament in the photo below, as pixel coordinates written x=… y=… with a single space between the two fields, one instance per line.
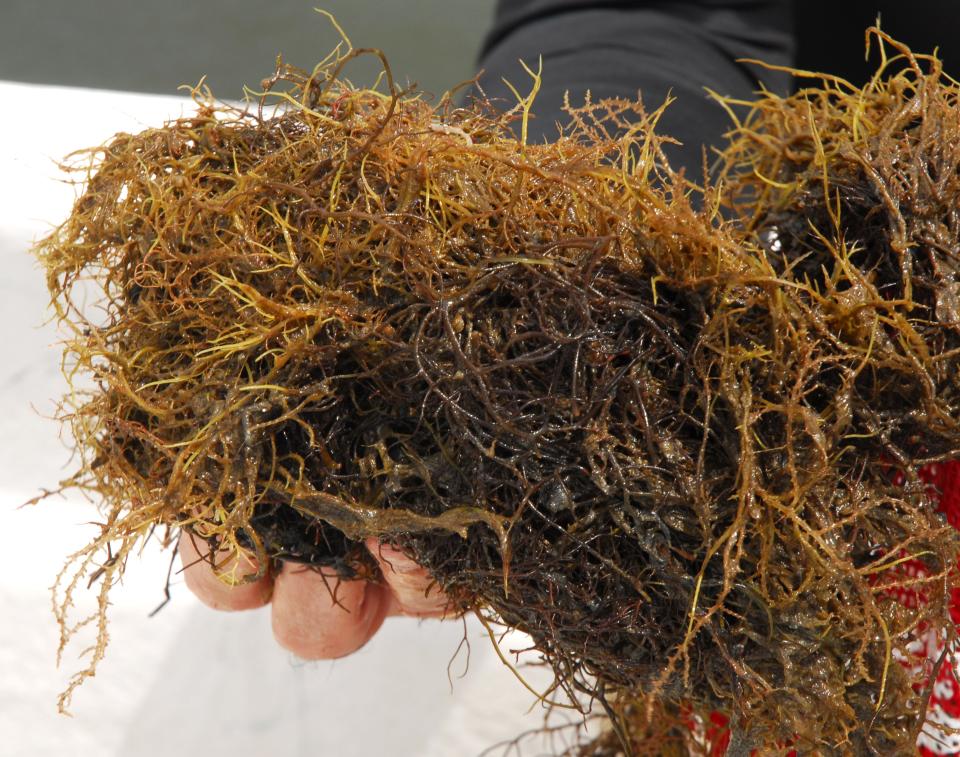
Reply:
x=659 y=438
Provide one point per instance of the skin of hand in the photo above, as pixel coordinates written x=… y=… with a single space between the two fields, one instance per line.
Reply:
x=315 y=614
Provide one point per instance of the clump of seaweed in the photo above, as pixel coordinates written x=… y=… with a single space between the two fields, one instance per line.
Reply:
x=660 y=442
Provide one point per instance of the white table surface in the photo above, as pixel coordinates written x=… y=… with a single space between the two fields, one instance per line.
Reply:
x=189 y=681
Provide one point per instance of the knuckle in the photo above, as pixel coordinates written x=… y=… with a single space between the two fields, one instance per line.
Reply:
x=404 y=566
x=424 y=600
x=425 y=609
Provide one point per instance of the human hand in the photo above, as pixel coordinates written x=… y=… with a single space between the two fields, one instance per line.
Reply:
x=316 y=614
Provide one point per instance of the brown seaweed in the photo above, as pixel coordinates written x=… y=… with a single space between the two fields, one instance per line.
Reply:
x=657 y=437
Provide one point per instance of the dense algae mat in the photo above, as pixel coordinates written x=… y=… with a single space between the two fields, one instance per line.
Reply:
x=659 y=437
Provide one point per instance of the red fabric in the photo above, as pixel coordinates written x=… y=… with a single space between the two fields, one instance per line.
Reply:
x=944 y=707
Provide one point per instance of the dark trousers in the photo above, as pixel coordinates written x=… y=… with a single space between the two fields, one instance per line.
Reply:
x=680 y=47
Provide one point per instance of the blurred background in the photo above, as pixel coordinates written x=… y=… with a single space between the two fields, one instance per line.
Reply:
x=830 y=32
x=157 y=46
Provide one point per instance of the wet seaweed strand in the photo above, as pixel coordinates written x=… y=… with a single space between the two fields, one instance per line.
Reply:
x=660 y=442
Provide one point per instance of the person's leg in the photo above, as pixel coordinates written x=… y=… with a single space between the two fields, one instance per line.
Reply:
x=655 y=48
